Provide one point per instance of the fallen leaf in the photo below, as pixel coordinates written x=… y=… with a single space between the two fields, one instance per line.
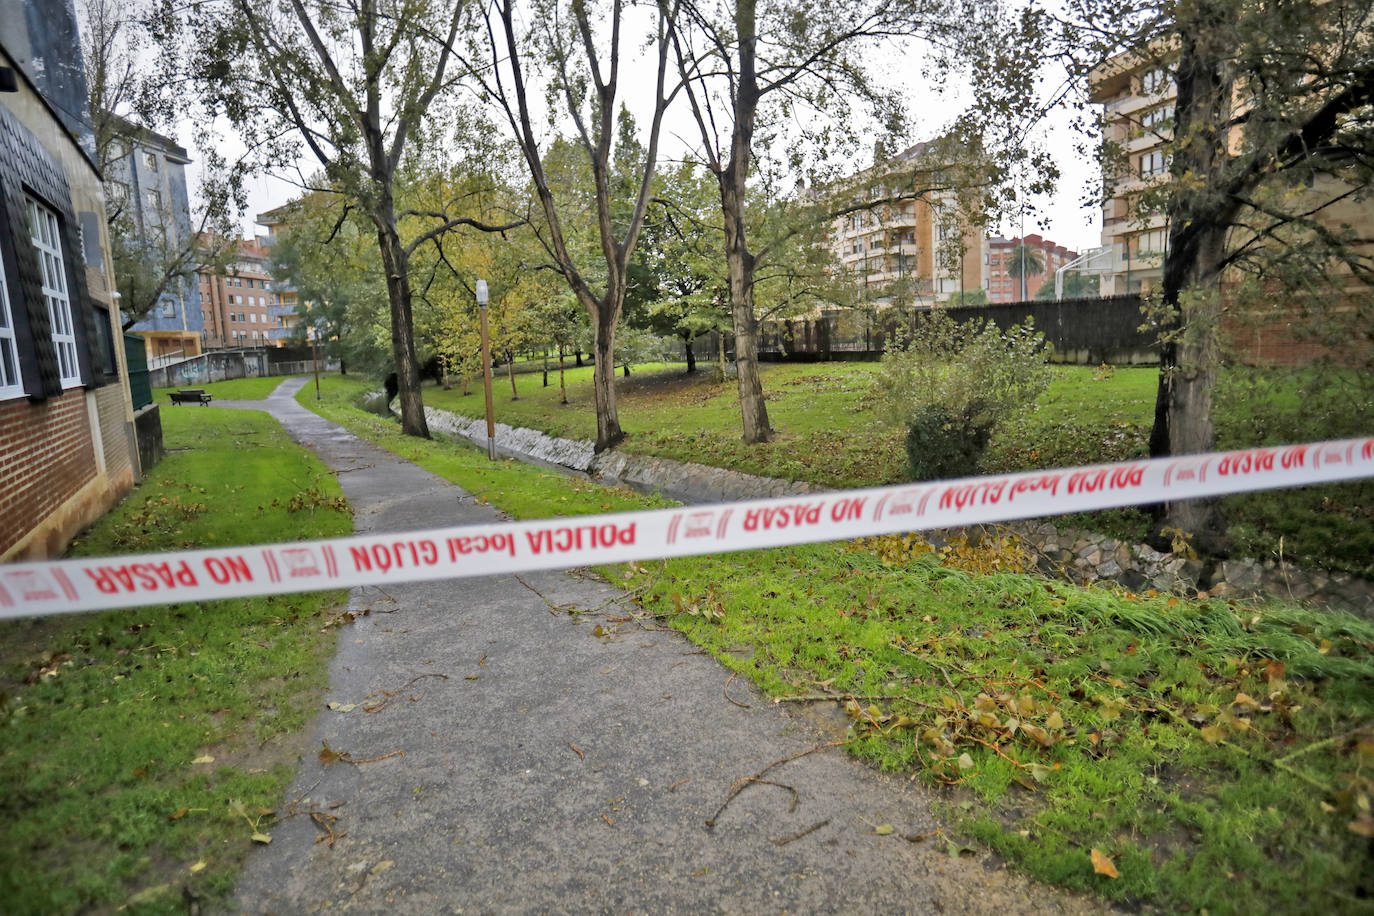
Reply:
x=198 y=867
x=1363 y=826
x=262 y=838
x=955 y=850
x=1039 y=771
x=204 y=759
x=1103 y=865
x=342 y=707
x=381 y=867
x=1212 y=734
x=1055 y=722
x=178 y=814
x=328 y=755
x=965 y=761
x=883 y=829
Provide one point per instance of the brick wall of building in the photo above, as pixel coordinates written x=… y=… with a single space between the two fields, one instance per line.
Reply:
x=46 y=457
x=114 y=435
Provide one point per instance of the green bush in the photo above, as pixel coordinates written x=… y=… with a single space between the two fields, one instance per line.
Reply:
x=949 y=384
x=943 y=442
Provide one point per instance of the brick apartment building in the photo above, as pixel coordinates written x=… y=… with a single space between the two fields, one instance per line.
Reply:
x=900 y=244
x=1003 y=286
x=236 y=304
x=67 y=444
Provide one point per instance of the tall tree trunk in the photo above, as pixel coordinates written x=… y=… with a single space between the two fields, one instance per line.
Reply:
x=545 y=355
x=608 y=431
x=510 y=373
x=1191 y=283
x=394 y=262
x=739 y=261
x=562 y=382
x=720 y=353
x=691 y=357
x=577 y=356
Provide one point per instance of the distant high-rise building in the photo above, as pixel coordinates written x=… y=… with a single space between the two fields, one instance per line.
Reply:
x=146 y=185
x=919 y=249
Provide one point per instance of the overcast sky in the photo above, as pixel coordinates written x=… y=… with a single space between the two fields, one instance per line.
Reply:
x=1061 y=217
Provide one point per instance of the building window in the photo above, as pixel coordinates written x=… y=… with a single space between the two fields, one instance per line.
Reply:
x=1155 y=162
x=253 y=317
x=43 y=231
x=10 y=384
x=1156 y=80
x=150 y=161
x=1157 y=118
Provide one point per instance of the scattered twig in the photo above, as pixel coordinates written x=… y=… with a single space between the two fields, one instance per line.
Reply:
x=1315 y=745
x=797 y=836
x=837 y=698
x=392 y=694
x=326 y=823
x=726 y=690
x=741 y=784
x=554 y=609
x=609 y=822
x=680 y=782
x=577 y=751
x=361 y=467
x=918 y=837
x=346 y=758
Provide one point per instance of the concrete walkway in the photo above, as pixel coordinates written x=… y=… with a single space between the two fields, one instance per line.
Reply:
x=547 y=769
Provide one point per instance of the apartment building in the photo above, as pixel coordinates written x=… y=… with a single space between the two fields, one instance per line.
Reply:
x=285 y=307
x=913 y=248
x=1138 y=99
x=1006 y=286
x=68 y=447
x=147 y=185
x=236 y=301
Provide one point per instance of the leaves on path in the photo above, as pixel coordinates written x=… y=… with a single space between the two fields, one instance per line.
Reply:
x=1102 y=864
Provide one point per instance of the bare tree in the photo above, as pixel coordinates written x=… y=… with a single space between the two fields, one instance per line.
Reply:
x=748 y=69
x=358 y=86
x=133 y=76
x=582 y=43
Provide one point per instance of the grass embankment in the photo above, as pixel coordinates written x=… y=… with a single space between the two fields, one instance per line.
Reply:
x=242 y=389
x=138 y=748
x=829 y=433
x=1216 y=755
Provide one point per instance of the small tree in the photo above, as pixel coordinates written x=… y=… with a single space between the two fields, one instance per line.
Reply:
x=1023 y=262
x=950 y=384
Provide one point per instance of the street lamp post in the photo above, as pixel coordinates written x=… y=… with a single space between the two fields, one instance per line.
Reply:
x=486 y=369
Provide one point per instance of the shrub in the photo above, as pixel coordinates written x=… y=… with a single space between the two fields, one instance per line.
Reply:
x=944 y=442
x=949 y=384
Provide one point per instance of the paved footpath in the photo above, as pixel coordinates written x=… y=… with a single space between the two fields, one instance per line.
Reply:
x=547 y=769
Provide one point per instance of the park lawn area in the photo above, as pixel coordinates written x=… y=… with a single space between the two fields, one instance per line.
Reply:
x=1216 y=755
x=141 y=749
x=242 y=389
x=828 y=433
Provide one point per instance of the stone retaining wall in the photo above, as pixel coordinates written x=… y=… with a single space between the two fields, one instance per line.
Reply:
x=1074 y=554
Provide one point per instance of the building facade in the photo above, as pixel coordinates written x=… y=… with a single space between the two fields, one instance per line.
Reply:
x=67 y=441
x=285 y=306
x=1004 y=285
x=236 y=301
x=917 y=250
x=146 y=183
x=1137 y=95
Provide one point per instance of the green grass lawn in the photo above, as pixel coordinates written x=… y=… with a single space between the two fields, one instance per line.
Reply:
x=829 y=433
x=244 y=389
x=138 y=747
x=1217 y=754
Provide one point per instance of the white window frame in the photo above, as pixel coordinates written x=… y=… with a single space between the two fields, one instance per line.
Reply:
x=46 y=236
x=11 y=382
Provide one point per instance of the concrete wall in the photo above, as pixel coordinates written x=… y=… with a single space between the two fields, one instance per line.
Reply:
x=208 y=367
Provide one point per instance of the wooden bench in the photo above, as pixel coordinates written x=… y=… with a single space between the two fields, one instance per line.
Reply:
x=190 y=396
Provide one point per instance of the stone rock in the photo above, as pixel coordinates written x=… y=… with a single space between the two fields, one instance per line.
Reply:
x=1133 y=579
x=1109 y=570
x=1242 y=575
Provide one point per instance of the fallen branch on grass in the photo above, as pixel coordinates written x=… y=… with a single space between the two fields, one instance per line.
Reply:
x=742 y=784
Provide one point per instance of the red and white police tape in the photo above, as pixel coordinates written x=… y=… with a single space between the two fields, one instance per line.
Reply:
x=63 y=586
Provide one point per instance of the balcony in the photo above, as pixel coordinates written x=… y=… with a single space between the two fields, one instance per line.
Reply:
x=281 y=333
x=281 y=311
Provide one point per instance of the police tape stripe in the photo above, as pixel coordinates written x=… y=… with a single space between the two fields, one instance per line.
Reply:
x=63 y=586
